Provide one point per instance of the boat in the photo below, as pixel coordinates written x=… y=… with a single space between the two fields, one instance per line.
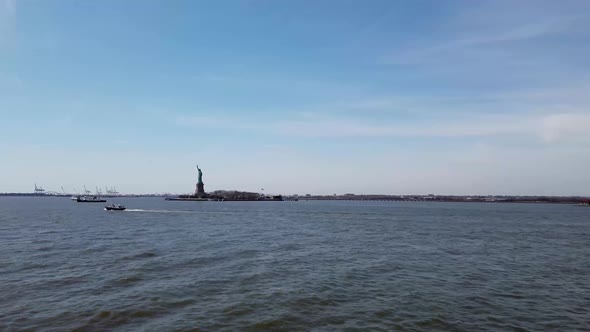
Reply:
x=115 y=207
x=90 y=199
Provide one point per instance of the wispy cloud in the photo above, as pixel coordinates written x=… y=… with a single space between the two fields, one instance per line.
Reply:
x=573 y=128
x=544 y=128
x=220 y=121
x=490 y=32
x=552 y=128
x=361 y=128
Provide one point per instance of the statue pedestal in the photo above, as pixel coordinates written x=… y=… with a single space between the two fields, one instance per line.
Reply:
x=200 y=192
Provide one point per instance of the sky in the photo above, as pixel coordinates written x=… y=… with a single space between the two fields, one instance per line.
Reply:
x=296 y=97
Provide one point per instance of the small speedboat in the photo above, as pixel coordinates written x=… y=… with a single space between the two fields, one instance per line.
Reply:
x=115 y=207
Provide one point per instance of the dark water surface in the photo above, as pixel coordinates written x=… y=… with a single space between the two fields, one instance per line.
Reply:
x=293 y=266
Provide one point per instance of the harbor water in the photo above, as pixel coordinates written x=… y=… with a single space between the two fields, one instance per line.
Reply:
x=292 y=266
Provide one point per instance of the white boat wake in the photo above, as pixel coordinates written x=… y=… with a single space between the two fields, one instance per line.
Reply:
x=158 y=211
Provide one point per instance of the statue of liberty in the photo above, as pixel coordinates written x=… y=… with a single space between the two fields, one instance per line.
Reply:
x=200 y=175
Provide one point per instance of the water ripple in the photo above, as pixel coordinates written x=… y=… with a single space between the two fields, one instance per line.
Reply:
x=289 y=266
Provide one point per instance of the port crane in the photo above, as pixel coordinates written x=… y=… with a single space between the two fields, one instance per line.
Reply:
x=86 y=191
x=112 y=191
x=39 y=190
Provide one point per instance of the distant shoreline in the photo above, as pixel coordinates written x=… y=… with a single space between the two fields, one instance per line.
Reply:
x=393 y=198
x=70 y=195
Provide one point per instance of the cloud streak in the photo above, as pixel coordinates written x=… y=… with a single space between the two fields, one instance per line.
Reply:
x=547 y=128
x=494 y=33
x=553 y=128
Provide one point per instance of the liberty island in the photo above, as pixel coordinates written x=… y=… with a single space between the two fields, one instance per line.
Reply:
x=221 y=195
x=199 y=194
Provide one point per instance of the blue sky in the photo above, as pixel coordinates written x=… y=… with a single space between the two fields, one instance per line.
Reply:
x=398 y=97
